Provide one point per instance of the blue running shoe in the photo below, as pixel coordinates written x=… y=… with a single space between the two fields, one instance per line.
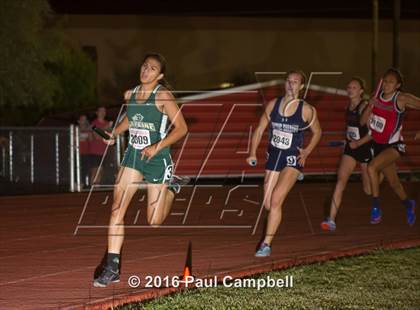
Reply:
x=176 y=183
x=264 y=250
x=411 y=213
x=375 y=215
x=107 y=276
x=328 y=225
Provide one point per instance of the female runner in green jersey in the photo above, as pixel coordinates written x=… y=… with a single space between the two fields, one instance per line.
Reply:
x=147 y=158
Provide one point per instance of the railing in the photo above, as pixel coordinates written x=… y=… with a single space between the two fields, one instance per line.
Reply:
x=44 y=159
x=41 y=159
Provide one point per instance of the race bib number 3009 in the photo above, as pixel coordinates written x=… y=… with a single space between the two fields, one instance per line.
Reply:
x=281 y=140
x=139 y=138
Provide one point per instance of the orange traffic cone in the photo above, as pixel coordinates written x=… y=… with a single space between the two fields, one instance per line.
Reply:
x=187 y=274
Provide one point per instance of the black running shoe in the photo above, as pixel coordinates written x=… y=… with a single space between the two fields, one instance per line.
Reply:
x=177 y=182
x=107 y=276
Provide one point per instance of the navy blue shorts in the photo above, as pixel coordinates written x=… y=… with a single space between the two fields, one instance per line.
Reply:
x=279 y=159
x=363 y=154
x=378 y=148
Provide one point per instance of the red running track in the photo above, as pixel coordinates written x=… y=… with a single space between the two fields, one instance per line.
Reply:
x=46 y=266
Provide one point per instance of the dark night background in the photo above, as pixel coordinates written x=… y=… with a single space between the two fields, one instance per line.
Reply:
x=295 y=9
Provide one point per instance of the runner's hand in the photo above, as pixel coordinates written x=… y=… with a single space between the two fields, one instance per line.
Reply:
x=149 y=152
x=110 y=141
x=372 y=102
x=252 y=160
x=302 y=156
x=354 y=144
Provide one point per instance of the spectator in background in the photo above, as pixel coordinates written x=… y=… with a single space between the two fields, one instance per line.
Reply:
x=97 y=147
x=85 y=137
x=4 y=141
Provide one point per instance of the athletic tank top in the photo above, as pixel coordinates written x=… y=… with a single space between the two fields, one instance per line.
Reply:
x=146 y=124
x=286 y=132
x=355 y=131
x=386 y=120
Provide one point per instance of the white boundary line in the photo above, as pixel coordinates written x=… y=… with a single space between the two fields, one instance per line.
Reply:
x=256 y=86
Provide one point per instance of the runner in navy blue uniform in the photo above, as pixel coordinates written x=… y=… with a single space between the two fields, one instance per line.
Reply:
x=288 y=117
x=354 y=151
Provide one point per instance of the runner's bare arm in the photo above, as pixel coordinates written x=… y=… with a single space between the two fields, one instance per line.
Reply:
x=121 y=127
x=310 y=116
x=408 y=100
x=366 y=111
x=170 y=108
x=262 y=125
x=354 y=144
x=127 y=94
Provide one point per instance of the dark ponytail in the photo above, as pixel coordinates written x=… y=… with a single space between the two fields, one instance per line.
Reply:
x=302 y=79
x=398 y=75
x=362 y=84
x=163 y=65
x=363 y=103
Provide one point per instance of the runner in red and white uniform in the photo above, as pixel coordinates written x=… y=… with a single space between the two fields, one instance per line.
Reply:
x=386 y=116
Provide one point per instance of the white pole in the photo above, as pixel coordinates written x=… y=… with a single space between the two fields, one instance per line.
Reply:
x=11 y=156
x=3 y=154
x=71 y=158
x=118 y=150
x=77 y=138
x=32 y=160
x=57 y=160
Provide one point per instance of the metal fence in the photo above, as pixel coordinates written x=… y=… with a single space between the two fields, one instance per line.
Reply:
x=45 y=159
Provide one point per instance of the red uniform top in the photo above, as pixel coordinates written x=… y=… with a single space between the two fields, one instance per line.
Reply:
x=97 y=146
x=84 y=141
x=386 y=120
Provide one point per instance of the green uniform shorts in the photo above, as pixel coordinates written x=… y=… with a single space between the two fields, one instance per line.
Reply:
x=158 y=170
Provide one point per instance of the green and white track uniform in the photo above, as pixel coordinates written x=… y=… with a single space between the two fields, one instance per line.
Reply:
x=147 y=126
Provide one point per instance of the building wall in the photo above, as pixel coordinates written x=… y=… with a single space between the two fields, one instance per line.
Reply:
x=203 y=52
